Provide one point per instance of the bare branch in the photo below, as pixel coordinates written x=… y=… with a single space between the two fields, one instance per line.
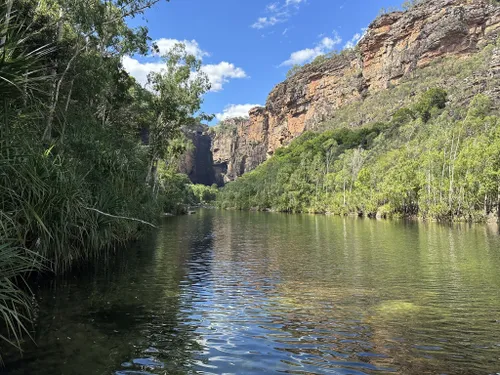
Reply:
x=121 y=217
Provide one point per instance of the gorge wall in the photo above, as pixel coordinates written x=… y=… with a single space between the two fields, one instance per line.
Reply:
x=197 y=163
x=395 y=45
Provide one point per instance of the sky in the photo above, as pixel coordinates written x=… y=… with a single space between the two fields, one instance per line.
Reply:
x=247 y=46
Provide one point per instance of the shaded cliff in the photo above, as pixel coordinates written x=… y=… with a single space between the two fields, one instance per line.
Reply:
x=394 y=46
x=197 y=162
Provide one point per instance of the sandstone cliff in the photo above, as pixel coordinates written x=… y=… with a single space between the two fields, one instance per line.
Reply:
x=395 y=45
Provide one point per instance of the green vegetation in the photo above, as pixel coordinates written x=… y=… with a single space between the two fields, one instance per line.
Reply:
x=435 y=155
x=204 y=194
x=409 y=4
x=229 y=126
x=75 y=178
x=182 y=193
x=321 y=59
x=293 y=70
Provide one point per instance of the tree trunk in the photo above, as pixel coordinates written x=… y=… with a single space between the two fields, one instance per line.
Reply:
x=498 y=202
x=66 y=107
x=152 y=169
x=54 y=92
x=344 y=192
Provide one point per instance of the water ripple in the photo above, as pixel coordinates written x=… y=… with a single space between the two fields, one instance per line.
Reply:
x=240 y=293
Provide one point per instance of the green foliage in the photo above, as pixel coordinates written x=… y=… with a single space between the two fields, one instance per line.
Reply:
x=432 y=99
x=317 y=61
x=16 y=306
x=298 y=177
x=432 y=160
x=383 y=11
x=204 y=194
x=323 y=58
x=179 y=89
x=178 y=192
x=73 y=172
x=403 y=116
x=229 y=126
x=410 y=4
x=293 y=70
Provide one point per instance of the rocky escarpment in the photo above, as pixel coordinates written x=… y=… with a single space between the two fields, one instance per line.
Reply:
x=394 y=46
x=239 y=145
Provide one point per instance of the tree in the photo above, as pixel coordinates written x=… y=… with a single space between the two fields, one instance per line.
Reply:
x=96 y=25
x=178 y=90
x=431 y=99
x=409 y=4
x=293 y=70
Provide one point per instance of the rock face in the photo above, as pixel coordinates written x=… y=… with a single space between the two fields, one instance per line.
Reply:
x=239 y=145
x=395 y=44
x=197 y=163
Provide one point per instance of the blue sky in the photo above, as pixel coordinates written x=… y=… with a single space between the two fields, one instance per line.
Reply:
x=247 y=46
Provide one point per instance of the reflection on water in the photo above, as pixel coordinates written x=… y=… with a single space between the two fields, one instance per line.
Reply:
x=252 y=293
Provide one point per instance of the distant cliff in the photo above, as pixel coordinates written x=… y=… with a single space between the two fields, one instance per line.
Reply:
x=394 y=46
x=197 y=162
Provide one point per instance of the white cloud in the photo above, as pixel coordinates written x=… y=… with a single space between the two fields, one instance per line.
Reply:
x=293 y=2
x=353 y=42
x=140 y=70
x=278 y=12
x=326 y=45
x=235 y=110
x=192 y=47
x=263 y=22
x=221 y=73
x=218 y=74
x=273 y=7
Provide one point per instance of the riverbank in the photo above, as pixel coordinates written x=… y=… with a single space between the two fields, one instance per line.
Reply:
x=490 y=220
x=89 y=158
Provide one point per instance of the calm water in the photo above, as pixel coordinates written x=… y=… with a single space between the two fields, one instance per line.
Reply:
x=254 y=293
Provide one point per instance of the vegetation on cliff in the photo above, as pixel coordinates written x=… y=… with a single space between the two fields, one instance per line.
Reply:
x=75 y=177
x=429 y=151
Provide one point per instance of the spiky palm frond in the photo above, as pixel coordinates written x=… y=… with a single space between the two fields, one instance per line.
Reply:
x=21 y=66
x=16 y=302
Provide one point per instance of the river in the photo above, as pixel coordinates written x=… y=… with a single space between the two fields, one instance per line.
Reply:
x=223 y=292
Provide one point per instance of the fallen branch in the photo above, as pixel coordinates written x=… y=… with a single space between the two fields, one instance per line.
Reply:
x=121 y=217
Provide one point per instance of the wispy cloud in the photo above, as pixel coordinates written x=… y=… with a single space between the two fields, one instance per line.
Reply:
x=277 y=12
x=294 y=2
x=327 y=44
x=264 y=22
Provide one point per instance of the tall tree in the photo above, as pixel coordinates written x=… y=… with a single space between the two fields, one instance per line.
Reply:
x=179 y=89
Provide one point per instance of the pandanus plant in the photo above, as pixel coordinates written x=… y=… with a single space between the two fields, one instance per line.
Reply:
x=21 y=73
